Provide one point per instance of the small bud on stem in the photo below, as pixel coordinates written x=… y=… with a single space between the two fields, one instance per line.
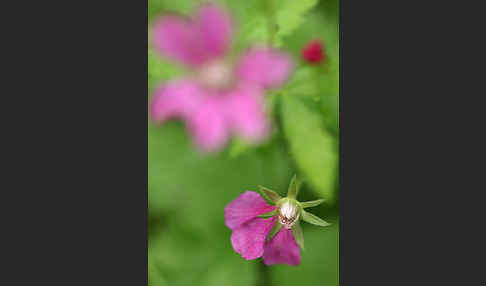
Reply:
x=313 y=53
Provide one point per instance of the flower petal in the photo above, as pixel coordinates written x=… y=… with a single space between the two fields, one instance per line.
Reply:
x=208 y=124
x=175 y=99
x=249 y=238
x=215 y=28
x=178 y=39
x=245 y=208
x=246 y=113
x=282 y=249
x=266 y=67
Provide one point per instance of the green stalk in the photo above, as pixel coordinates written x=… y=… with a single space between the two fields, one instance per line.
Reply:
x=271 y=21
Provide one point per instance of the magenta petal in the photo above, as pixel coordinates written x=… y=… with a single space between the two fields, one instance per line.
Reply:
x=208 y=124
x=248 y=239
x=175 y=99
x=282 y=249
x=245 y=208
x=266 y=67
x=178 y=38
x=246 y=112
x=215 y=28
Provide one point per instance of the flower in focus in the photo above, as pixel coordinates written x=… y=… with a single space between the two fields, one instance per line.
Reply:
x=218 y=98
x=313 y=53
x=270 y=231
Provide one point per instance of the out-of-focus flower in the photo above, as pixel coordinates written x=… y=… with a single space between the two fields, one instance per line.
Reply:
x=313 y=53
x=257 y=226
x=217 y=98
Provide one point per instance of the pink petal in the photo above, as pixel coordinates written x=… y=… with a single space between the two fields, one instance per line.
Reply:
x=208 y=124
x=175 y=99
x=178 y=39
x=246 y=113
x=248 y=239
x=215 y=28
x=266 y=67
x=282 y=249
x=194 y=42
x=245 y=208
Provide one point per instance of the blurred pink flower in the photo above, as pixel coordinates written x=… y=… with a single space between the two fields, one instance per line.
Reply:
x=216 y=99
x=249 y=236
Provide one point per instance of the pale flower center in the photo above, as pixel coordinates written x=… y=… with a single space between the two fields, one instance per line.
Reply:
x=215 y=74
x=288 y=214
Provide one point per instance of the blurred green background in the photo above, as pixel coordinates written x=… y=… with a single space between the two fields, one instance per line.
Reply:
x=189 y=243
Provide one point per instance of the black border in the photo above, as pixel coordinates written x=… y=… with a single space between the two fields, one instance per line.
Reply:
x=79 y=177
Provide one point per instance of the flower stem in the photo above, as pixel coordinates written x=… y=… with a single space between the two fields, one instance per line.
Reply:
x=271 y=21
x=265 y=276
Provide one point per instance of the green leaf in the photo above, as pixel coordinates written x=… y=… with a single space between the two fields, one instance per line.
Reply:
x=291 y=14
x=311 y=203
x=312 y=219
x=298 y=235
x=269 y=214
x=269 y=194
x=312 y=147
x=294 y=188
x=154 y=276
x=276 y=228
x=260 y=20
x=303 y=82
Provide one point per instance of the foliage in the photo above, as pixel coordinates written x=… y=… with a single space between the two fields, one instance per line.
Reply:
x=188 y=241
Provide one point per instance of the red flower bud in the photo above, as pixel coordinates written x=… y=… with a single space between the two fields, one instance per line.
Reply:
x=313 y=53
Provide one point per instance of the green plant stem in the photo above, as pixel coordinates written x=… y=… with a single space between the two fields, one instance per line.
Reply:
x=271 y=21
x=265 y=275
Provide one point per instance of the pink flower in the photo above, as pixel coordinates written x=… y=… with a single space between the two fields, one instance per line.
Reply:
x=257 y=226
x=217 y=99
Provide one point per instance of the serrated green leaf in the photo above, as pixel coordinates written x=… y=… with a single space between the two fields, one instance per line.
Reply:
x=275 y=229
x=311 y=203
x=261 y=20
x=298 y=234
x=312 y=219
x=290 y=14
x=294 y=188
x=269 y=194
x=312 y=147
x=303 y=82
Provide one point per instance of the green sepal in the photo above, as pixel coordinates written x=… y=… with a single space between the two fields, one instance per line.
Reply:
x=269 y=194
x=312 y=219
x=294 y=188
x=269 y=214
x=311 y=203
x=298 y=234
x=276 y=228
